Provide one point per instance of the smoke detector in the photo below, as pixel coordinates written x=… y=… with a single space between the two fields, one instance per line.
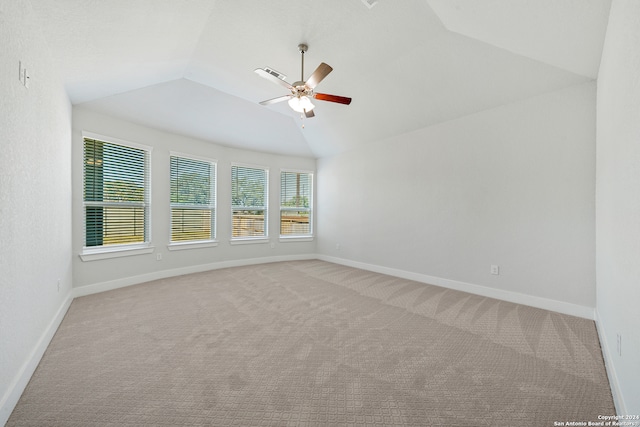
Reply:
x=370 y=3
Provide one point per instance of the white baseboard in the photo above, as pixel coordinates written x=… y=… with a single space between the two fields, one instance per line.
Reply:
x=614 y=384
x=518 y=298
x=22 y=377
x=162 y=274
x=515 y=297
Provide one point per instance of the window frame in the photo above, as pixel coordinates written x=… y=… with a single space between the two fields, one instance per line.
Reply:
x=251 y=239
x=91 y=253
x=297 y=237
x=213 y=206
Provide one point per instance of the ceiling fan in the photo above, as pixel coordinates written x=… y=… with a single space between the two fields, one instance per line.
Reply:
x=302 y=90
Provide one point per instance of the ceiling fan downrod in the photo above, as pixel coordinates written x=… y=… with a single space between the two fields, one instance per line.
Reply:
x=302 y=48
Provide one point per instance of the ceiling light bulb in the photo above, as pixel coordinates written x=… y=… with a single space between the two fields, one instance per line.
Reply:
x=301 y=104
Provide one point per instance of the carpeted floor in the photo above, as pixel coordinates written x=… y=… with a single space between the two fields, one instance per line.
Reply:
x=310 y=343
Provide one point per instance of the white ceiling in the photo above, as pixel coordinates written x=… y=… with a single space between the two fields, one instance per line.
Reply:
x=186 y=66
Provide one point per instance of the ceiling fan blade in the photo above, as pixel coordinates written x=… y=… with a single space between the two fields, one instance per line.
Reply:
x=271 y=77
x=319 y=74
x=274 y=100
x=309 y=114
x=332 y=98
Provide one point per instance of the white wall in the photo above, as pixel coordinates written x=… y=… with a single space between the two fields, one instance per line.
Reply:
x=618 y=202
x=110 y=273
x=512 y=186
x=35 y=201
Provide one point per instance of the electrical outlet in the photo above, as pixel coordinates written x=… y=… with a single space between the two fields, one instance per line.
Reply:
x=619 y=344
x=23 y=75
x=495 y=269
x=159 y=256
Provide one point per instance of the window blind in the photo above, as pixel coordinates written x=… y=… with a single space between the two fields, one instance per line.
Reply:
x=193 y=199
x=116 y=193
x=295 y=203
x=249 y=191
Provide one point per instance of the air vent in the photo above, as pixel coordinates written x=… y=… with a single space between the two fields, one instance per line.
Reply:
x=370 y=3
x=275 y=73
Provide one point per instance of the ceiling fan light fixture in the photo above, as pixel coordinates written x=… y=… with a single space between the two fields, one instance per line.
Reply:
x=301 y=104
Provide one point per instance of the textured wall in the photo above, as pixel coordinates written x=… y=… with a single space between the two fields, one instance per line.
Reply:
x=512 y=186
x=618 y=201
x=35 y=199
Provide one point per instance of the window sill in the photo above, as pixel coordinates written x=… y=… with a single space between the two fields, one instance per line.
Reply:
x=249 y=241
x=180 y=246
x=106 y=253
x=296 y=239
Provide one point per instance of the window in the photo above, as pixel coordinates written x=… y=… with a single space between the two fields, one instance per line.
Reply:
x=295 y=203
x=193 y=199
x=249 y=191
x=116 y=194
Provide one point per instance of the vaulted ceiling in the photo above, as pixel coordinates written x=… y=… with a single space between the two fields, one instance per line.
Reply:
x=186 y=66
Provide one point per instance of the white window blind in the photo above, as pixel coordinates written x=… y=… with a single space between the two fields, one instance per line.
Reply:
x=116 y=194
x=193 y=199
x=249 y=191
x=295 y=203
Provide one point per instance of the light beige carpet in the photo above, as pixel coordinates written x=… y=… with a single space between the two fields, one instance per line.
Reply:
x=312 y=343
